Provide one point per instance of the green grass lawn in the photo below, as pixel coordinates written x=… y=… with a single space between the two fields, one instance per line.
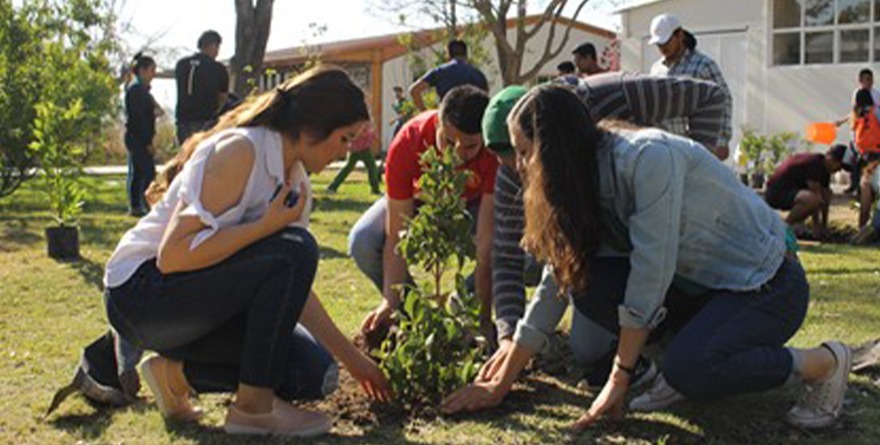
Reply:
x=49 y=310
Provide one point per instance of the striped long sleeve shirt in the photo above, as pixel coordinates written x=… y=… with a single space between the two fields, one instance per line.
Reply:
x=694 y=65
x=642 y=100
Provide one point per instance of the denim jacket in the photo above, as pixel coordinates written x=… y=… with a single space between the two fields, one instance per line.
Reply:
x=678 y=211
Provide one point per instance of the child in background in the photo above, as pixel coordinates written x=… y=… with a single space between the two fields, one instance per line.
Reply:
x=361 y=150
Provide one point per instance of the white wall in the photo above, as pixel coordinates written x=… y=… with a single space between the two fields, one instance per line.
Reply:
x=776 y=99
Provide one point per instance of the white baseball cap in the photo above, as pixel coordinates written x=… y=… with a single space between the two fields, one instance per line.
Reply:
x=662 y=28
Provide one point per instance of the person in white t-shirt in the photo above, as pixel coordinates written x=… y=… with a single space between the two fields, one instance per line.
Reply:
x=220 y=272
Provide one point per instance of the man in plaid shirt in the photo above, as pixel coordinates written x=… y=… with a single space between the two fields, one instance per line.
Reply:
x=681 y=59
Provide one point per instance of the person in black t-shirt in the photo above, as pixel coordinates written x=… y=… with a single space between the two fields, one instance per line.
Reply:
x=202 y=86
x=802 y=185
x=140 y=127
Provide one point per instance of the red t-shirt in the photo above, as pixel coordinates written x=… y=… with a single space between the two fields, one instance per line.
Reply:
x=403 y=170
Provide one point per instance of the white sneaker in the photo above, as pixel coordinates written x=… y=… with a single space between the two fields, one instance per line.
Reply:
x=822 y=401
x=659 y=396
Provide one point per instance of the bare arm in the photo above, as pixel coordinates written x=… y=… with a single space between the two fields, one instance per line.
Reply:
x=225 y=177
x=416 y=90
x=319 y=324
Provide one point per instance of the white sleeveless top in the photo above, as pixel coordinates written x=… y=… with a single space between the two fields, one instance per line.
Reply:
x=141 y=243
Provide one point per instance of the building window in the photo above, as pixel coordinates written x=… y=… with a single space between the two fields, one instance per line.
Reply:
x=807 y=32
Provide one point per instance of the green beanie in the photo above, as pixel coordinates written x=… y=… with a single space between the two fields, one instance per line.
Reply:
x=495 y=133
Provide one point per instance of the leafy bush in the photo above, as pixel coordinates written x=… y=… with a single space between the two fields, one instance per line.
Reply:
x=55 y=132
x=762 y=154
x=434 y=348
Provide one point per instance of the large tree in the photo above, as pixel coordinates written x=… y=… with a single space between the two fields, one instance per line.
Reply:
x=459 y=18
x=252 y=27
x=510 y=47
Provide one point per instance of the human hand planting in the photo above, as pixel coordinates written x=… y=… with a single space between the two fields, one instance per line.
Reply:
x=377 y=318
x=609 y=402
x=371 y=378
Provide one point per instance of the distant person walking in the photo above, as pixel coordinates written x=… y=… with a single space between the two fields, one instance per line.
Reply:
x=202 y=86
x=451 y=74
x=681 y=59
x=140 y=127
x=586 y=60
x=361 y=151
x=402 y=110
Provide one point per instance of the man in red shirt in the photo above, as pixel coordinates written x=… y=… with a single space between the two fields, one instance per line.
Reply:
x=372 y=241
x=802 y=185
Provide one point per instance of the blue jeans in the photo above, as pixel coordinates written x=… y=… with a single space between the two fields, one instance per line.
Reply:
x=240 y=314
x=367 y=239
x=141 y=172
x=733 y=345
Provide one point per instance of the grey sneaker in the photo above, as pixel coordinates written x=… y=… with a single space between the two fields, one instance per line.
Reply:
x=822 y=401
x=659 y=396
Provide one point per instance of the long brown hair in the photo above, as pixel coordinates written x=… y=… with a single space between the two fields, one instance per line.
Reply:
x=561 y=182
x=314 y=103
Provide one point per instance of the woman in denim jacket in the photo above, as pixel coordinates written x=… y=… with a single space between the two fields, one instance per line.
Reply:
x=682 y=220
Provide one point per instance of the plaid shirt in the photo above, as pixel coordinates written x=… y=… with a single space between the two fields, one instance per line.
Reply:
x=696 y=65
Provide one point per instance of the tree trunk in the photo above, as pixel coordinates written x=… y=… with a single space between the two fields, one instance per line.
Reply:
x=253 y=23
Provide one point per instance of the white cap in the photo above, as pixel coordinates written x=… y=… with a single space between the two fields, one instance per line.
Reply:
x=662 y=28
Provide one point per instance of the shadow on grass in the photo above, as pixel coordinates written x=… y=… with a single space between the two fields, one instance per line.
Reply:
x=17 y=234
x=330 y=203
x=90 y=271
x=329 y=253
x=93 y=426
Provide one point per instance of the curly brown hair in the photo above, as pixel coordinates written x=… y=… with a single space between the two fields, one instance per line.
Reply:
x=560 y=176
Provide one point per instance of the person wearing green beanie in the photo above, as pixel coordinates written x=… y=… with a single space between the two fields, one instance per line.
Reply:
x=522 y=333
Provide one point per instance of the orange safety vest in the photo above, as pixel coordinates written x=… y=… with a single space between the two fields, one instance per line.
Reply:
x=867 y=131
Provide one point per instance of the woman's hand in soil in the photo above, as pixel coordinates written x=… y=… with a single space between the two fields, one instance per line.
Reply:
x=279 y=215
x=381 y=316
x=492 y=367
x=371 y=378
x=609 y=402
x=476 y=396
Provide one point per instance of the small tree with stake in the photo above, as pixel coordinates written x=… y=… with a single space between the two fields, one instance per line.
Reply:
x=434 y=349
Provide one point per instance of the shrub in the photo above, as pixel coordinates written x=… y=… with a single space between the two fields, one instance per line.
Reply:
x=434 y=350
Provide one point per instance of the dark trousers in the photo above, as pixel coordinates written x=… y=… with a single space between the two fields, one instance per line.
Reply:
x=240 y=312
x=185 y=129
x=732 y=345
x=141 y=172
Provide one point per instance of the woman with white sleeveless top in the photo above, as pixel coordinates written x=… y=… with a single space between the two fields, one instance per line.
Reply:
x=220 y=271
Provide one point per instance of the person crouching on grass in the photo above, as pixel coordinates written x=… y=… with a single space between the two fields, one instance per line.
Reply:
x=218 y=275
x=677 y=214
x=802 y=185
x=373 y=239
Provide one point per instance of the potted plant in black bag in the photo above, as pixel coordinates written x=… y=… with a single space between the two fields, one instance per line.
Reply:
x=57 y=148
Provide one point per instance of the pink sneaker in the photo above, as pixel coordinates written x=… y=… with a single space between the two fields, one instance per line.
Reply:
x=171 y=405
x=285 y=420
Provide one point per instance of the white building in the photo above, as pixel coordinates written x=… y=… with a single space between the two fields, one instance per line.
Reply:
x=378 y=64
x=787 y=62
